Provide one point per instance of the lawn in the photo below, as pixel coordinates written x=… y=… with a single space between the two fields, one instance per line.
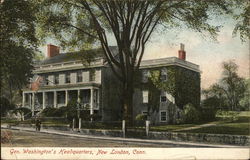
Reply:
x=241 y=126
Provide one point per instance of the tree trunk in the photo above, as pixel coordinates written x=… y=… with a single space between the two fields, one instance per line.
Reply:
x=128 y=91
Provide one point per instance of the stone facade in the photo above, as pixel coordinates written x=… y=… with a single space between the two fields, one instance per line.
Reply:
x=96 y=86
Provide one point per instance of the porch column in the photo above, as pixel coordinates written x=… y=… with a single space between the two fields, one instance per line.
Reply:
x=44 y=94
x=91 y=101
x=33 y=104
x=55 y=99
x=23 y=99
x=66 y=97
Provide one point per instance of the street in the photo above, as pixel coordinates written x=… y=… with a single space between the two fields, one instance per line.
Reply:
x=20 y=138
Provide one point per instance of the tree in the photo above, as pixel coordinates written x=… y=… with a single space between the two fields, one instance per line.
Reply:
x=82 y=23
x=242 y=17
x=231 y=87
x=18 y=42
x=245 y=101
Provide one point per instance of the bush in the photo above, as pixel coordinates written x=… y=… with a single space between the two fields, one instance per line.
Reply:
x=209 y=108
x=227 y=115
x=49 y=112
x=5 y=106
x=191 y=114
x=141 y=117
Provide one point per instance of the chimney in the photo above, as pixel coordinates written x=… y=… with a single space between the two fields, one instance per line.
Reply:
x=182 y=52
x=52 y=50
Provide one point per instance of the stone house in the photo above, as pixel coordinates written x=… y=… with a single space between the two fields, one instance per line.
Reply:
x=62 y=77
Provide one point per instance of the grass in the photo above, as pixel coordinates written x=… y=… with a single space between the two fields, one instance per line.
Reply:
x=237 y=127
x=44 y=123
x=226 y=128
x=170 y=127
x=241 y=126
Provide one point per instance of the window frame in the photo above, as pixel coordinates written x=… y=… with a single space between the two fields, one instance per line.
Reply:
x=161 y=111
x=92 y=75
x=67 y=77
x=56 y=79
x=143 y=91
x=79 y=77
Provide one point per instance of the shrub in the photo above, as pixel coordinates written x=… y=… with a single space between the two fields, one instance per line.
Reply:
x=141 y=117
x=227 y=115
x=210 y=107
x=49 y=112
x=5 y=106
x=191 y=114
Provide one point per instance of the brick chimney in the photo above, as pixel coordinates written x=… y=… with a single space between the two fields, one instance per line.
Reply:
x=182 y=52
x=52 y=50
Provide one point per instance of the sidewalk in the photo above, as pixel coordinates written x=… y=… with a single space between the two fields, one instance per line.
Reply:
x=133 y=140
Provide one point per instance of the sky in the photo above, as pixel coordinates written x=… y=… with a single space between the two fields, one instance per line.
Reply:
x=201 y=50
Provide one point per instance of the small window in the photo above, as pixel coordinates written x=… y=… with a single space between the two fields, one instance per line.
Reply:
x=164 y=74
x=92 y=75
x=145 y=112
x=163 y=77
x=145 y=96
x=79 y=76
x=145 y=75
x=56 y=79
x=163 y=116
x=67 y=77
x=46 y=80
x=163 y=98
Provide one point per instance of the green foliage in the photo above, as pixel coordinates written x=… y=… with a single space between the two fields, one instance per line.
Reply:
x=49 y=112
x=141 y=117
x=18 y=42
x=230 y=89
x=191 y=114
x=209 y=108
x=5 y=106
x=182 y=84
x=228 y=115
x=245 y=100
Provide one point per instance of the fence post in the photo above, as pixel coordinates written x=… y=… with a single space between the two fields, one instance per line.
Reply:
x=73 y=124
x=147 y=127
x=80 y=124
x=123 y=128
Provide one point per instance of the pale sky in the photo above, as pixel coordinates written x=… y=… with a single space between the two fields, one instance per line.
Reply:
x=200 y=50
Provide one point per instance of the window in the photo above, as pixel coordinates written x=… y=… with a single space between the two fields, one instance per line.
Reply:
x=145 y=75
x=163 y=98
x=92 y=75
x=145 y=96
x=56 y=78
x=46 y=80
x=67 y=77
x=163 y=116
x=79 y=76
x=164 y=74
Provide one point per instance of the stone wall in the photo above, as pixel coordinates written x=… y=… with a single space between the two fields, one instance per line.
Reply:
x=201 y=137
